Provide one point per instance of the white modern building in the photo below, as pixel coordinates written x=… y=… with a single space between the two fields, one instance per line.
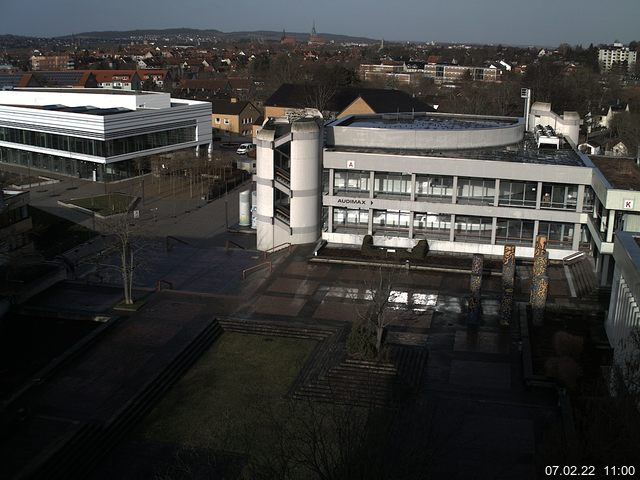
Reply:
x=97 y=134
x=466 y=184
x=616 y=53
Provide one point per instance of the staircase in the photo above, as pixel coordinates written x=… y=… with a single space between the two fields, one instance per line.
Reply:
x=79 y=454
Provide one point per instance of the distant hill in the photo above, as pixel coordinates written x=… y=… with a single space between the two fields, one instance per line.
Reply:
x=212 y=33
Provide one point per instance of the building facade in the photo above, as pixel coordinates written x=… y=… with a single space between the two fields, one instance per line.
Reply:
x=97 y=134
x=466 y=184
x=616 y=53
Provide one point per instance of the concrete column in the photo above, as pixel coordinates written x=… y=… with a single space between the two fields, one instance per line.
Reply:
x=454 y=192
x=577 y=234
x=496 y=199
x=452 y=230
x=370 y=223
x=580 y=199
x=331 y=179
x=372 y=183
x=536 y=227
x=410 y=224
x=413 y=187
x=330 y=220
x=494 y=227
x=539 y=196
x=611 y=225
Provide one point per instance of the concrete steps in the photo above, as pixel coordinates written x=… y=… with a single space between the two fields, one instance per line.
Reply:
x=79 y=454
x=275 y=329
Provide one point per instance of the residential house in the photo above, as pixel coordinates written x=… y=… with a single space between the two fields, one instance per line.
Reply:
x=233 y=116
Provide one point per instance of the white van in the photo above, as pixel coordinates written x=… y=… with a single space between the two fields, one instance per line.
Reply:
x=245 y=148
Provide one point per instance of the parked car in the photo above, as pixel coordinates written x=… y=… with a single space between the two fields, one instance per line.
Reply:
x=245 y=148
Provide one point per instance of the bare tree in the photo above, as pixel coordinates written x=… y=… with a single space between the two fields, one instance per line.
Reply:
x=374 y=316
x=127 y=252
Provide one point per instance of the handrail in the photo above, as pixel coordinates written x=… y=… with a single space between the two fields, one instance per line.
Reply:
x=256 y=267
x=277 y=248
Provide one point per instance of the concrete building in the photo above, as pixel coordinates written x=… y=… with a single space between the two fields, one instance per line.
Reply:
x=98 y=134
x=616 y=53
x=51 y=62
x=466 y=184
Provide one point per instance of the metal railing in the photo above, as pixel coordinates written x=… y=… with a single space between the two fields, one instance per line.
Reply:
x=255 y=268
x=278 y=248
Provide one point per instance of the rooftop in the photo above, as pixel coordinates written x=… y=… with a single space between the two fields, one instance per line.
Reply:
x=621 y=173
x=88 y=110
x=422 y=121
x=525 y=151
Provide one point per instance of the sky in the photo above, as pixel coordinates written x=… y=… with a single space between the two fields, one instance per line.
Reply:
x=509 y=22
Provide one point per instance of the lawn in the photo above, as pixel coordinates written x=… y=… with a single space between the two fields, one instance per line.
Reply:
x=229 y=394
x=105 y=205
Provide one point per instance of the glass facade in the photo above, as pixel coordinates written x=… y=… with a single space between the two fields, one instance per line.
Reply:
x=473 y=229
x=559 y=196
x=351 y=182
x=432 y=225
x=519 y=232
x=391 y=222
x=434 y=188
x=76 y=168
x=518 y=194
x=392 y=185
x=351 y=221
x=476 y=191
x=99 y=148
x=559 y=235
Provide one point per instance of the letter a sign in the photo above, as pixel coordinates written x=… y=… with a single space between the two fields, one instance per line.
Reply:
x=628 y=204
x=351 y=164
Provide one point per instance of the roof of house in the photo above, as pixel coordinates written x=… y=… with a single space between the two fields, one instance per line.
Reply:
x=227 y=107
x=380 y=100
x=205 y=84
x=64 y=78
x=107 y=76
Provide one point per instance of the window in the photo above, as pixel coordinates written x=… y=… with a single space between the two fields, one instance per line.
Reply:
x=226 y=121
x=519 y=232
x=434 y=188
x=476 y=191
x=354 y=221
x=391 y=222
x=559 y=196
x=589 y=197
x=217 y=119
x=432 y=225
x=518 y=194
x=473 y=229
x=392 y=184
x=351 y=182
x=559 y=235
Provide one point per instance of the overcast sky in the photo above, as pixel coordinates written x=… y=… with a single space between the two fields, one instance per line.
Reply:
x=515 y=22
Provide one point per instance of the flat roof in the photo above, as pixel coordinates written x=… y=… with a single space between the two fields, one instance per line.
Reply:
x=422 y=121
x=88 y=110
x=622 y=173
x=86 y=91
x=525 y=151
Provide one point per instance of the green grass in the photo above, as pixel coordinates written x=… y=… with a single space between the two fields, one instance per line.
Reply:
x=53 y=235
x=229 y=394
x=105 y=205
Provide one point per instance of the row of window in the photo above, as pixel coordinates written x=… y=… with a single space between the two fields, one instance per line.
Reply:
x=469 y=190
x=466 y=228
x=99 y=148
